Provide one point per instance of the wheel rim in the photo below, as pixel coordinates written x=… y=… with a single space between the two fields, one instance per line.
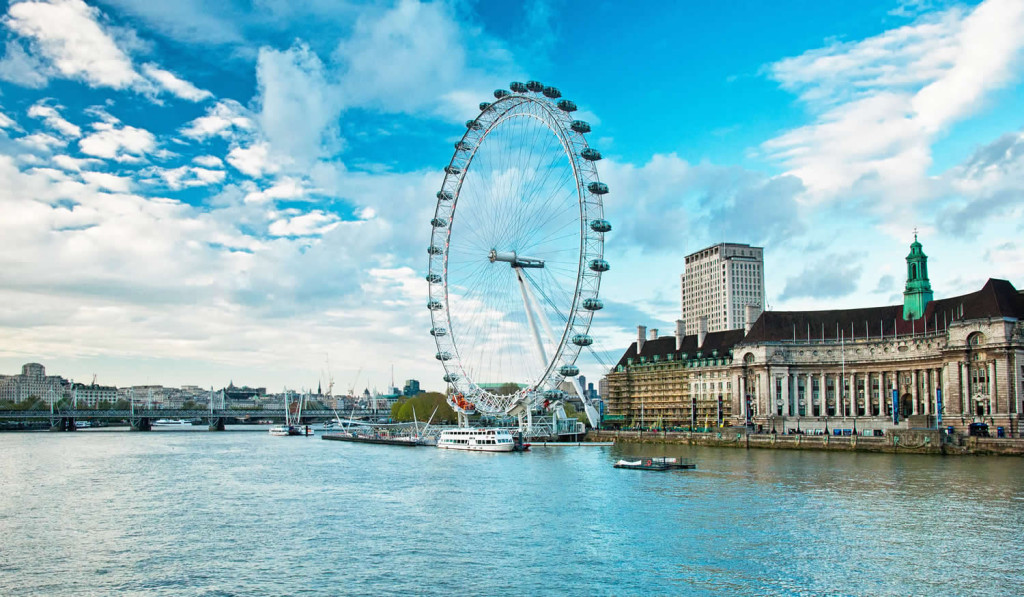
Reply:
x=516 y=185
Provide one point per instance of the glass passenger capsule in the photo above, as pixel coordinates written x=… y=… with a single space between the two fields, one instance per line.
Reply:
x=518 y=86
x=593 y=304
x=554 y=395
x=462 y=146
x=566 y=106
x=535 y=86
x=600 y=225
x=452 y=170
x=582 y=340
x=569 y=370
x=500 y=93
x=473 y=124
x=443 y=356
x=435 y=250
x=439 y=222
x=598 y=265
x=438 y=332
x=434 y=305
x=451 y=378
x=445 y=195
x=434 y=278
x=591 y=154
x=484 y=105
x=597 y=188
x=552 y=92
x=580 y=126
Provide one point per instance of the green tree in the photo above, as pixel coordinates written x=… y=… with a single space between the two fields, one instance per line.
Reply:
x=423 y=405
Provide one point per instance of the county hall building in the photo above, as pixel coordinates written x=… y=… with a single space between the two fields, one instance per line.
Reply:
x=926 y=363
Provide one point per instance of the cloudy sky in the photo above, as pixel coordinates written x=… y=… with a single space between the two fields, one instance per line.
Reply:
x=195 y=192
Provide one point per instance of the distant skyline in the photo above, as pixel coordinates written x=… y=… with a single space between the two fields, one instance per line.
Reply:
x=194 y=193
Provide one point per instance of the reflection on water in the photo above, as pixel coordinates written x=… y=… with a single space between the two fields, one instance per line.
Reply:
x=195 y=512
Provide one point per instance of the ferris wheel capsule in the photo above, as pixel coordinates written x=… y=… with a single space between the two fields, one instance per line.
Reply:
x=569 y=370
x=552 y=92
x=517 y=87
x=535 y=86
x=580 y=126
x=600 y=225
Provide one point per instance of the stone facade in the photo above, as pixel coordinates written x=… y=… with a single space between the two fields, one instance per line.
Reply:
x=952 y=362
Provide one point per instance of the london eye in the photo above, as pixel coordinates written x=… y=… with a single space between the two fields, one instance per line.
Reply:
x=516 y=255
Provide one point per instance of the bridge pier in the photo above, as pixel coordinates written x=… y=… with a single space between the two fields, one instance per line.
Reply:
x=143 y=424
x=63 y=424
x=216 y=424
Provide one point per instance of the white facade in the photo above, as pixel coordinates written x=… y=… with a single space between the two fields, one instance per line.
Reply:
x=719 y=283
x=33 y=383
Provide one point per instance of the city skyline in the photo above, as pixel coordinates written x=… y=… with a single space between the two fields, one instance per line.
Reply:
x=194 y=196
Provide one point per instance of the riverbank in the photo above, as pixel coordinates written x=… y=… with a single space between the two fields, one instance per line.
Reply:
x=913 y=441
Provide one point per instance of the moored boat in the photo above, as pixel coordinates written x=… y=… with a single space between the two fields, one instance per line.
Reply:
x=655 y=464
x=478 y=440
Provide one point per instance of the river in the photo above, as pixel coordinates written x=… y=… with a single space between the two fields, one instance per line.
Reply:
x=192 y=512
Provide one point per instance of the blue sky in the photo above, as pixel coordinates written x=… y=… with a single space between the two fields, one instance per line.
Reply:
x=192 y=195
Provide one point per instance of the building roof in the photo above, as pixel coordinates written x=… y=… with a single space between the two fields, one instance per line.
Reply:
x=664 y=345
x=998 y=298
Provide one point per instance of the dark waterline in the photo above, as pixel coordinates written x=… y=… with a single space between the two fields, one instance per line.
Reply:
x=190 y=512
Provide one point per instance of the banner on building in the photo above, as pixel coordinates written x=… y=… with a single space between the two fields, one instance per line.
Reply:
x=938 y=407
x=895 y=407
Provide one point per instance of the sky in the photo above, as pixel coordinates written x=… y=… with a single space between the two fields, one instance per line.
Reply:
x=198 y=193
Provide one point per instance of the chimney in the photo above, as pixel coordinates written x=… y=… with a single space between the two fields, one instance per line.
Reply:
x=654 y=333
x=702 y=330
x=680 y=328
x=751 y=313
x=641 y=337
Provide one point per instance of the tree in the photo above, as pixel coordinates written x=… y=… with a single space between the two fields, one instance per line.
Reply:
x=424 y=404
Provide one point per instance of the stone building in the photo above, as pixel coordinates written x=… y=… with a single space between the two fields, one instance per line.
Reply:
x=673 y=381
x=33 y=383
x=925 y=363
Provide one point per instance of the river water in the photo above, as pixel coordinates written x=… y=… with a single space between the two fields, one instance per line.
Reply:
x=192 y=512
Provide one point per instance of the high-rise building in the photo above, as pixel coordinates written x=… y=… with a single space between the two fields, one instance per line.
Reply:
x=719 y=283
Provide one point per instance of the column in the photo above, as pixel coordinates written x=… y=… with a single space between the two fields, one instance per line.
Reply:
x=964 y=382
x=824 y=394
x=913 y=392
x=993 y=405
x=785 y=395
x=881 y=393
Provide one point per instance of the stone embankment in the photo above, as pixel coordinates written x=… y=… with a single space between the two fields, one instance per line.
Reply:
x=913 y=441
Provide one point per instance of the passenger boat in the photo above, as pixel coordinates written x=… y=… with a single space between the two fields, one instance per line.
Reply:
x=286 y=430
x=170 y=422
x=655 y=464
x=477 y=440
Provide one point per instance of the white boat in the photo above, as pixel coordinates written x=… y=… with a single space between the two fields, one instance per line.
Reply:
x=477 y=440
x=172 y=422
x=286 y=430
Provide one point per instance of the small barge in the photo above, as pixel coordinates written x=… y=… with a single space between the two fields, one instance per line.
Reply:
x=656 y=464
x=374 y=439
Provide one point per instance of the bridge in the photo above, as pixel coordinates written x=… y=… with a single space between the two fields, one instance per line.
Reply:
x=142 y=419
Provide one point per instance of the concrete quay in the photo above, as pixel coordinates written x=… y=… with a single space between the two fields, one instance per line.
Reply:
x=912 y=441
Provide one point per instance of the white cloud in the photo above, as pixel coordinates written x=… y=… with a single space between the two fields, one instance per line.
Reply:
x=286 y=188
x=208 y=161
x=881 y=102
x=123 y=144
x=190 y=176
x=175 y=85
x=309 y=224
x=69 y=163
x=67 y=34
x=427 y=53
x=42 y=141
x=224 y=119
x=253 y=161
x=110 y=182
x=299 y=109
x=53 y=119
x=21 y=68
x=6 y=122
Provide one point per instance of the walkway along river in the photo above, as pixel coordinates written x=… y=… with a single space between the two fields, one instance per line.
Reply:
x=924 y=441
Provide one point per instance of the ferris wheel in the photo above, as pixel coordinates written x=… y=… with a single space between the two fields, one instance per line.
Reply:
x=516 y=254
